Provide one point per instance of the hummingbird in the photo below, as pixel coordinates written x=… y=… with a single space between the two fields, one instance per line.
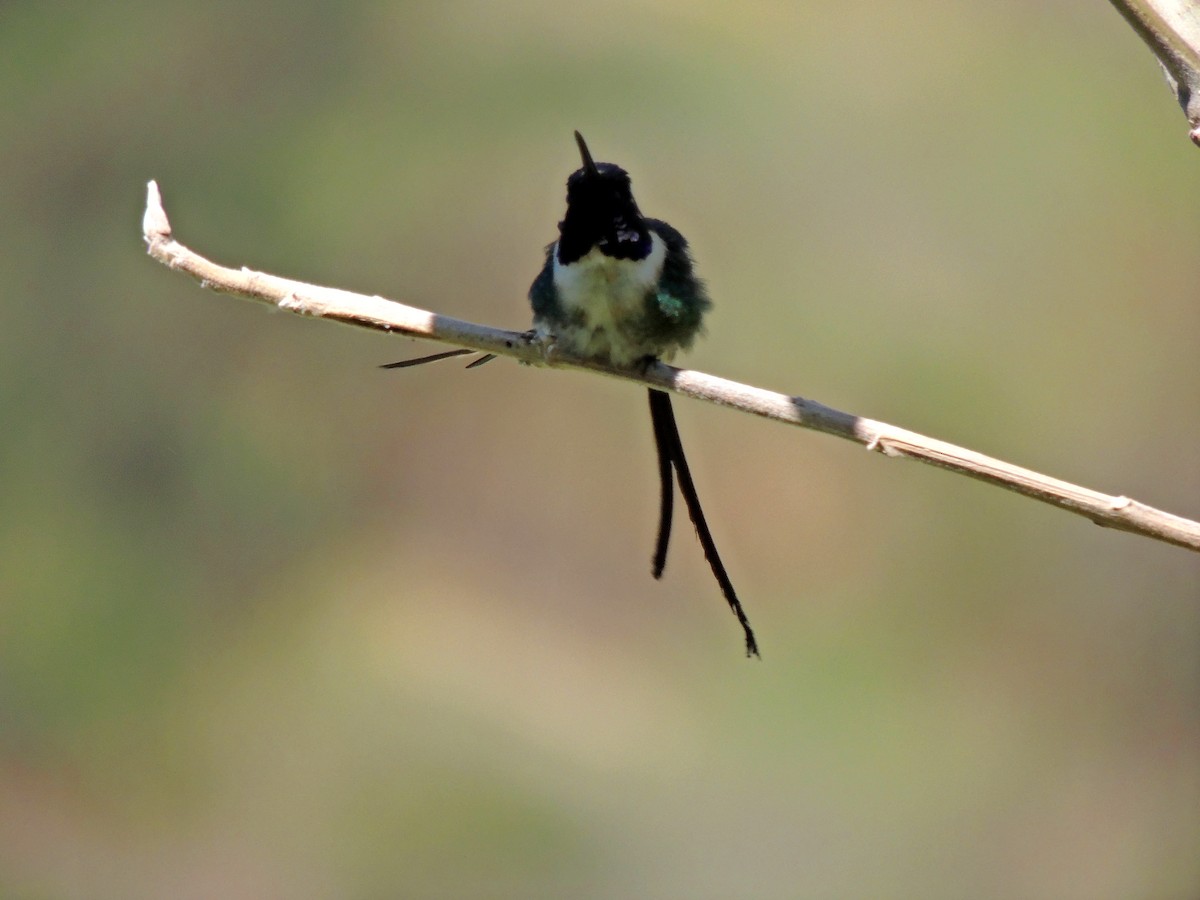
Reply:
x=621 y=288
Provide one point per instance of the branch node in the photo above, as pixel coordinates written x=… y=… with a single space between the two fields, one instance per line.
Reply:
x=880 y=443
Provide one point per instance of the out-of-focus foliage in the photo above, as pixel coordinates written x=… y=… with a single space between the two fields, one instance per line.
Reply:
x=274 y=623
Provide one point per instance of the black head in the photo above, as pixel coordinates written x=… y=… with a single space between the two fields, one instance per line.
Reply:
x=601 y=212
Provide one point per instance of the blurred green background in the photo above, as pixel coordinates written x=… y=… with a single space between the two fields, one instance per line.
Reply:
x=274 y=623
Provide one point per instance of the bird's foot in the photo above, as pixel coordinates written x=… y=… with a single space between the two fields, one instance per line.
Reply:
x=645 y=364
x=545 y=342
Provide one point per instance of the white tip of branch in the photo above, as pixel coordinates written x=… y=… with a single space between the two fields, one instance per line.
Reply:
x=155 y=224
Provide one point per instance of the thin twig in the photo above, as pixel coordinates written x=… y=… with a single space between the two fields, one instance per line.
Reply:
x=1171 y=28
x=1120 y=513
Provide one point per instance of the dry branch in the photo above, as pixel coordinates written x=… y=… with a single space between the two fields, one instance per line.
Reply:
x=1171 y=28
x=1120 y=513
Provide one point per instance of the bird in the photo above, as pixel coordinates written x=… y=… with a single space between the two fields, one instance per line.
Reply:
x=620 y=288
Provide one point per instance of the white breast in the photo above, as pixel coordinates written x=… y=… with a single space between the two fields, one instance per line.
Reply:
x=608 y=297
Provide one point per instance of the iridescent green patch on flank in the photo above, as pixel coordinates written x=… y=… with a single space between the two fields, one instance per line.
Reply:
x=672 y=307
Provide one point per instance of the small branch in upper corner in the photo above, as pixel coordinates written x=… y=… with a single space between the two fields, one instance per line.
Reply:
x=1171 y=29
x=376 y=313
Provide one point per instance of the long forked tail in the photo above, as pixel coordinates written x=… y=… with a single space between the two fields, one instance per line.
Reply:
x=434 y=357
x=670 y=454
x=660 y=416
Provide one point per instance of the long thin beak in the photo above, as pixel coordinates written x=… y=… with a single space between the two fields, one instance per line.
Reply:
x=588 y=165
